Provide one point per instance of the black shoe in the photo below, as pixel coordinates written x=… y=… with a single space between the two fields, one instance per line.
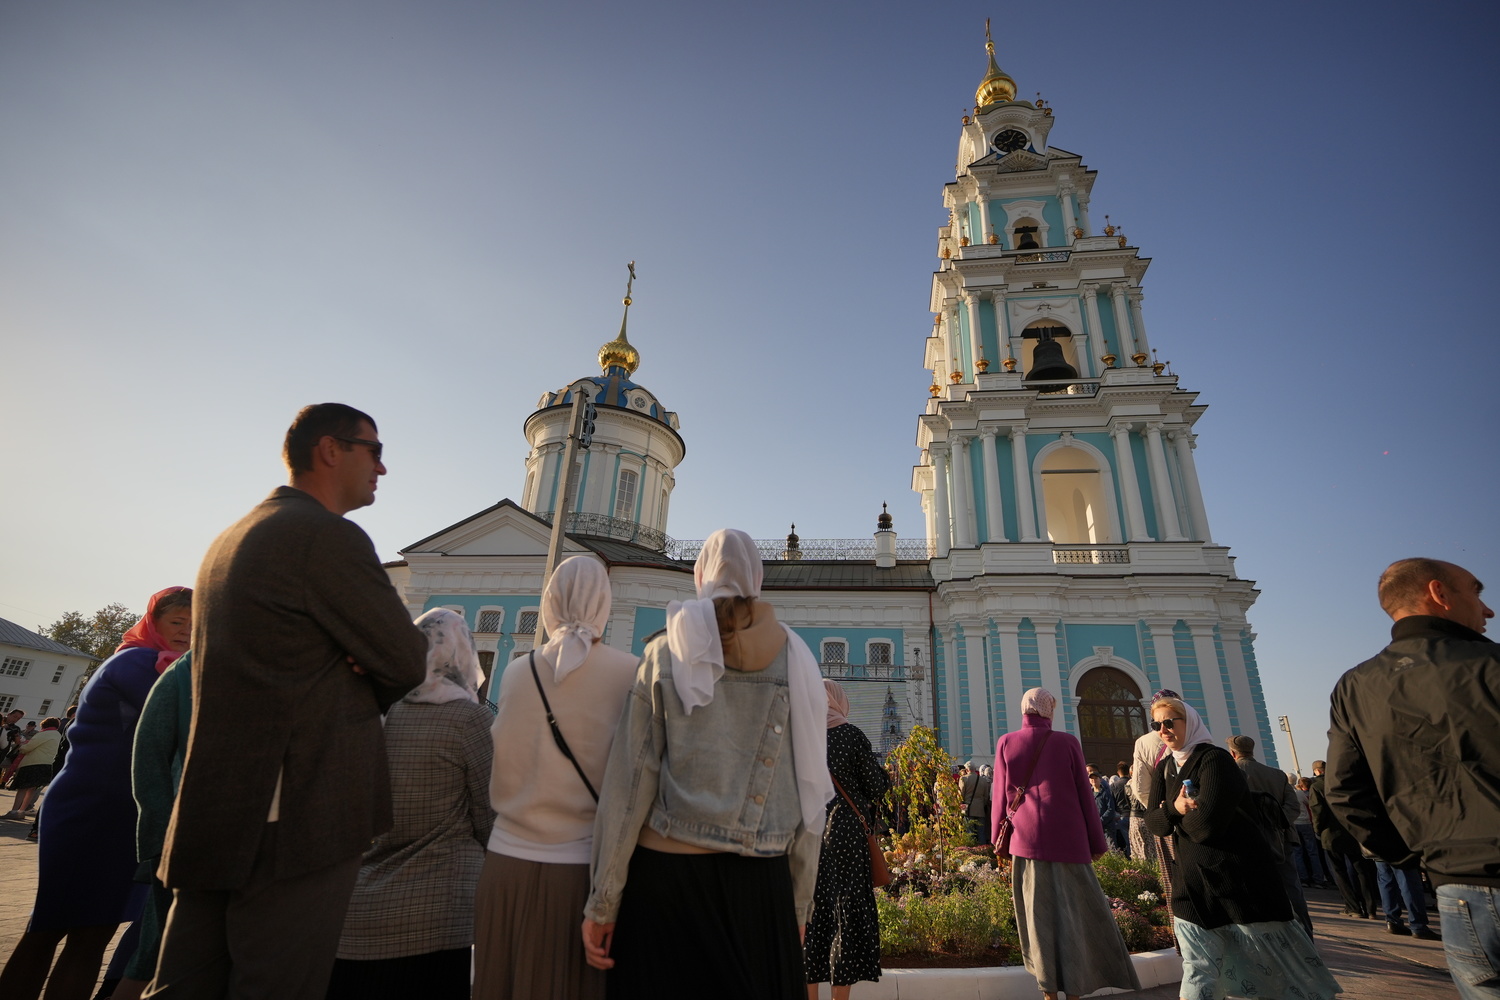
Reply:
x=1398 y=928
x=1423 y=934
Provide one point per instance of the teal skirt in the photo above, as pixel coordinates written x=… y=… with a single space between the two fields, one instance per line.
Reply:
x=1270 y=960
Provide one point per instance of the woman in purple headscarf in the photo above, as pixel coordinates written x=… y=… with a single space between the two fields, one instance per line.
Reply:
x=1069 y=938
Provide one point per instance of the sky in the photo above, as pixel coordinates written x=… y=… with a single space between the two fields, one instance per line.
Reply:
x=216 y=213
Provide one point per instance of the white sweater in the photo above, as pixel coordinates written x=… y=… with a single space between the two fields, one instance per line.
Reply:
x=543 y=812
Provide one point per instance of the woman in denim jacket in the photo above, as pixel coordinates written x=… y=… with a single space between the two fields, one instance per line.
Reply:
x=712 y=807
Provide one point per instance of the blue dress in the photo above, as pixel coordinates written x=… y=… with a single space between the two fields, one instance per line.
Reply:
x=86 y=838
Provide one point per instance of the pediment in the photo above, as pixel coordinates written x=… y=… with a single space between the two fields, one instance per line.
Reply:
x=1022 y=159
x=502 y=530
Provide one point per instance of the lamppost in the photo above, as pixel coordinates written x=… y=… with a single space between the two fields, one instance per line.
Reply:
x=1286 y=727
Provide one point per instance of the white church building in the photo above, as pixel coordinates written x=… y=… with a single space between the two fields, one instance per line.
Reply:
x=1066 y=541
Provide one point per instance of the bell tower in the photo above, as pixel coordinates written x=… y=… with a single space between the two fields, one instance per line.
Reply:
x=1063 y=510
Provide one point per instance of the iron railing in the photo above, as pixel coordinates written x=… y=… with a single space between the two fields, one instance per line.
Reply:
x=1088 y=554
x=1068 y=387
x=867 y=672
x=618 y=529
x=816 y=549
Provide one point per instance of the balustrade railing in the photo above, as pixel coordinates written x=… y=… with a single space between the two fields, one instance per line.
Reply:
x=775 y=549
x=1065 y=387
x=1088 y=555
x=862 y=671
x=618 y=529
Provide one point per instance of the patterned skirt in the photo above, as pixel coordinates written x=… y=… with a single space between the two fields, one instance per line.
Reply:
x=1271 y=959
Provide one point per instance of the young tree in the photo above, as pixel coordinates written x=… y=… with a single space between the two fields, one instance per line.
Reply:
x=924 y=793
x=97 y=635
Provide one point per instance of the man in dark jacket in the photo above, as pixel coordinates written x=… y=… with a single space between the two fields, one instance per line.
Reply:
x=1352 y=872
x=975 y=788
x=1274 y=803
x=1414 y=752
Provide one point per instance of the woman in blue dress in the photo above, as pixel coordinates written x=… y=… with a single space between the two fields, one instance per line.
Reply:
x=86 y=849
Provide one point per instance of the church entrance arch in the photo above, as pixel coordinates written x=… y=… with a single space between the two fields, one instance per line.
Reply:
x=1110 y=717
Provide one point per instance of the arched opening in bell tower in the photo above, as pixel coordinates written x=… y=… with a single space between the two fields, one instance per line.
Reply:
x=1074 y=500
x=1110 y=717
x=1025 y=234
x=1033 y=334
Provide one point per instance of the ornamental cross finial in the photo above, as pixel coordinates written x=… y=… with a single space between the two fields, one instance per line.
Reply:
x=630 y=282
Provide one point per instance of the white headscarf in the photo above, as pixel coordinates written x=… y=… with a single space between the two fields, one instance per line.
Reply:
x=1039 y=701
x=729 y=566
x=575 y=609
x=1197 y=733
x=453 y=670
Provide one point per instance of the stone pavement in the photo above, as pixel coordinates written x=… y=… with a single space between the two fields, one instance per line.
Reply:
x=1368 y=962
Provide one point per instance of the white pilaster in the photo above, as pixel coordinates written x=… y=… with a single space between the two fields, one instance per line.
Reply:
x=976 y=339
x=1239 y=687
x=1130 y=487
x=1065 y=195
x=1046 y=648
x=979 y=695
x=984 y=219
x=994 y=513
x=1025 y=521
x=1213 y=681
x=1161 y=486
x=1165 y=645
x=1010 y=669
x=1141 y=343
x=1096 y=345
x=963 y=495
x=1083 y=212
x=1002 y=324
x=1185 y=441
x=944 y=520
x=1122 y=322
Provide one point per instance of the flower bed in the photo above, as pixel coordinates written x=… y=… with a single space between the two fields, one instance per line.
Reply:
x=951 y=907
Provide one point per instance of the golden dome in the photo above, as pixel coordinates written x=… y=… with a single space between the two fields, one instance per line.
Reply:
x=620 y=353
x=996 y=87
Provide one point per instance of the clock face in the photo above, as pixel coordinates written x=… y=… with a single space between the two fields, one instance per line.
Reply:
x=1010 y=140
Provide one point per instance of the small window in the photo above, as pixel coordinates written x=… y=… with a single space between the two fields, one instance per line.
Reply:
x=526 y=623
x=625 y=495
x=835 y=651
x=880 y=654
x=486 y=661
x=6 y=701
x=46 y=707
x=14 y=666
x=58 y=674
x=489 y=620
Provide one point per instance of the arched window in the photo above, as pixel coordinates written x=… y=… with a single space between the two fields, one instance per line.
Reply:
x=625 y=495
x=835 y=653
x=1024 y=235
x=1074 y=501
x=490 y=619
x=1110 y=717
x=1053 y=330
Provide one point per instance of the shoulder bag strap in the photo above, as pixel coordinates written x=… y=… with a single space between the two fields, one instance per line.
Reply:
x=1020 y=794
x=857 y=812
x=557 y=736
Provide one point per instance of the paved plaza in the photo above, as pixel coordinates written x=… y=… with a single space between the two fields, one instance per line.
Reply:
x=1370 y=963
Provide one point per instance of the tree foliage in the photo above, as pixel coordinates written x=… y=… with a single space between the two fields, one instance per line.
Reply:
x=98 y=634
x=924 y=796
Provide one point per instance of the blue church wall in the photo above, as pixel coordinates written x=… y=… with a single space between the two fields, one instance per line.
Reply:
x=1148 y=657
x=1107 y=325
x=857 y=638
x=989 y=332
x=1234 y=715
x=1258 y=698
x=999 y=717
x=976 y=476
x=1006 y=468
x=1143 y=480
x=1083 y=638
x=1052 y=216
x=971 y=213
x=647 y=622
x=940 y=687
x=1187 y=666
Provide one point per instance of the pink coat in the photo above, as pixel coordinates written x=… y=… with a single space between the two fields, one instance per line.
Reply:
x=1058 y=821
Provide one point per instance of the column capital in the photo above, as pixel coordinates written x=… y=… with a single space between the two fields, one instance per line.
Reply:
x=1120 y=430
x=938 y=449
x=1017 y=432
x=1153 y=427
x=1090 y=291
x=988 y=432
x=970 y=297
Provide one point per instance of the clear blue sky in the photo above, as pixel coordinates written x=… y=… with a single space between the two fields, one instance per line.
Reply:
x=215 y=213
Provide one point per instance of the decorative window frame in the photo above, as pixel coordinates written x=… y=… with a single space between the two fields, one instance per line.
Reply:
x=522 y=613
x=479 y=619
x=823 y=649
x=891 y=657
x=1105 y=657
x=1106 y=484
x=1029 y=208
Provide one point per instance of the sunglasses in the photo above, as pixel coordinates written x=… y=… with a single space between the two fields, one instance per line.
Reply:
x=375 y=447
x=1159 y=724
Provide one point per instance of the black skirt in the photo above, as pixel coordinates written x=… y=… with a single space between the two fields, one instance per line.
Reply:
x=697 y=925
x=31 y=776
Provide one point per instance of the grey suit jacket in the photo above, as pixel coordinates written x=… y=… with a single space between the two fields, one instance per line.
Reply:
x=283 y=596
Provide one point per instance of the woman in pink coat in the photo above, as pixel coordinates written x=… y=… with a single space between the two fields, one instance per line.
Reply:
x=1068 y=934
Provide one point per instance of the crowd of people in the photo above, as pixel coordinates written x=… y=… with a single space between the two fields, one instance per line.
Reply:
x=695 y=820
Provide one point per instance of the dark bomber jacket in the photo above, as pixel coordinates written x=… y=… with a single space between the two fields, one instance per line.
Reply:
x=1414 y=751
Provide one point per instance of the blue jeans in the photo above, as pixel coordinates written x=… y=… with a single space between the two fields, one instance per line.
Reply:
x=1306 y=855
x=1397 y=884
x=1471 y=938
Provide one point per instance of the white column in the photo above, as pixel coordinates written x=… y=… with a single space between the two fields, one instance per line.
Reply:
x=1010 y=669
x=976 y=339
x=1141 y=344
x=984 y=219
x=950 y=320
x=1161 y=486
x=963 y=496
x=1238 y=685
x=1096 y=347
x=1185 y=441
x=1002 y=324
x=1066 y=197
x=1083 y=213
x=929 y=516
x=1052 y=679
x=1025 y=522
x=1163 y=641
x=1122 y=321
x=994 y=512
x=1130 y=487
x=1212 y=679
x=940 y=498
x=975 y=639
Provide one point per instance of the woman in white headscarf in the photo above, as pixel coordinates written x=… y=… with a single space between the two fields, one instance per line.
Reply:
x=1233 y=921
x=410 y=923
x=712 y=808
x=536 y=871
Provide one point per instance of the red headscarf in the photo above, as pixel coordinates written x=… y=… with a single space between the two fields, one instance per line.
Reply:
x=143 y=634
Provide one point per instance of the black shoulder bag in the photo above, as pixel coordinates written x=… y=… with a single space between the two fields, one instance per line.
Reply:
x=557 y=736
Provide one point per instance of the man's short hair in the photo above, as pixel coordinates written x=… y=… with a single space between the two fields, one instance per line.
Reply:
x=312 y=424
x=1403 y=585
x=1122 y=768
x=1242 y=745
x=1320 y=765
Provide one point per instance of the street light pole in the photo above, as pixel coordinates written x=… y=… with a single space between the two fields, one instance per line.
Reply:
x=1286 y=727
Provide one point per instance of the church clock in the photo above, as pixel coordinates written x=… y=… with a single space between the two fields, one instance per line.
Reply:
x=1009 y=141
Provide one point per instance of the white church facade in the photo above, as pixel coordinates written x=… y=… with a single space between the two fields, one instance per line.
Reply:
x=1066 y=544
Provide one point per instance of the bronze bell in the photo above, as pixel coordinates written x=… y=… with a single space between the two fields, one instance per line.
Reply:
x=1048 y=363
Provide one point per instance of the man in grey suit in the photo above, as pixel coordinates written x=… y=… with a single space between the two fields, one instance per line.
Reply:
x=294 y=621
x=1275 y=805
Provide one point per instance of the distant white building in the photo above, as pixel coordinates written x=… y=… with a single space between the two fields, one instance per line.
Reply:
x=1066 y=544
x=37 y=675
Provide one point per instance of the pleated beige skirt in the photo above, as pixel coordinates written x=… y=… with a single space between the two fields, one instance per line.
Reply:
x=528 y=941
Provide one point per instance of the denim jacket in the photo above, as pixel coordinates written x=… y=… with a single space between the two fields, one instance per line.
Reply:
x=720 y=779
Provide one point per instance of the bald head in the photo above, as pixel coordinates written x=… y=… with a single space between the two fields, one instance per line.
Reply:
x=1433 y=587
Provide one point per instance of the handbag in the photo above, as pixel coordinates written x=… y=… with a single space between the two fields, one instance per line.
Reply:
x=557 y=736
x=880 y=872
x=1002 y=836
